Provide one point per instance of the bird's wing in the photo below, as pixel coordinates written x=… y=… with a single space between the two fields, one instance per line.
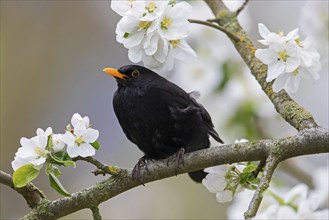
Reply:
x=183 y=106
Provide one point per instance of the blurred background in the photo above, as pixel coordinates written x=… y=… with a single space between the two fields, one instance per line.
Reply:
x=52 y=56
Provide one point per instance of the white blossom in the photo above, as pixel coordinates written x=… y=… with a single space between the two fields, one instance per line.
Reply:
x=154 y=32
x=79 y=142
x=33 y=151
x=58 y=143
x=296 y=204
x=288 y=59
x=280 y=58
x=224 y=181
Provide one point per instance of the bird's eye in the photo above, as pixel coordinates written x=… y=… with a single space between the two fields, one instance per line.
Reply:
x=135 y=73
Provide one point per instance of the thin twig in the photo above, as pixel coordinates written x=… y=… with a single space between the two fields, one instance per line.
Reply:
x=31 y=193
x=271 y=164
x=96 y=213
x=102 y=169
x=259 y=168
x=231 y=35
x=237 y=12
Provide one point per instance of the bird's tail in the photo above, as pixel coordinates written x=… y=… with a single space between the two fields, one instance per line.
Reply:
x=197 y=176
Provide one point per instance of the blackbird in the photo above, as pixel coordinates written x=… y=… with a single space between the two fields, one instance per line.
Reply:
x=159 y=117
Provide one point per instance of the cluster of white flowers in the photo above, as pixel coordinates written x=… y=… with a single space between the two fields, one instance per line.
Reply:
x=288 y=58
x=154 y=31
x=296 y=204
x=224 y=181
x=76 y=142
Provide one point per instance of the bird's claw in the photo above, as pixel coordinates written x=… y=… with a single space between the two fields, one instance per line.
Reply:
x=136 y=173
x=179 y=158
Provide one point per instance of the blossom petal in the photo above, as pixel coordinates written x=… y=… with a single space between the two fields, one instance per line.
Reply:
x=279 y=83
x=26 y=143
x=263 y=31
x=292 y=64
x=18 y=162
x=214 y=182
x=135 y=54
x=224 y=196
x=274 y=70
x=80 y=130
x=86 y=150
x=39 y=161
x=77 y=119
x=43 y=138
x=90 y=136
x=121 y=7
x=267 y=56
x=134 y=39
x=184 y=52
x=293 y=83
x=69 y=138
x=73 y=150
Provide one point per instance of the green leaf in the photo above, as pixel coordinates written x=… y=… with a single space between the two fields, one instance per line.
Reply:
x=249 y=168
x=56 y=185
x=126 y=35
x=96 y=145
x=243 y=178
x=56 y=171
x=24 y=175
x=66 y=163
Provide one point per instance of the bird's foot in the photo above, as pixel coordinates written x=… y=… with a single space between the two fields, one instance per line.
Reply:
x=136 y=173
x=179 y=158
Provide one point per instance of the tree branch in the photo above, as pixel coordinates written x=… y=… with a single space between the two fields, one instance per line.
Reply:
x=101 y=168
x=271 y=164
x=96 y=213
x=31 y=193
x=237 y=12
x=216 y=26
x=309 y=141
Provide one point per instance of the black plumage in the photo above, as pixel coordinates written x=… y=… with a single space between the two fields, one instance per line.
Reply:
x=158 y=116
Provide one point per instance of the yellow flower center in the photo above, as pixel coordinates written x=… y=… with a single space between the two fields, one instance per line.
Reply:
x=174 y=43
x=144 y=24
x=79 y=140
x=39 y=151
x=296 y=71
x=281 y=33
x=165 y=23
x=151 y=7
x=283 y=55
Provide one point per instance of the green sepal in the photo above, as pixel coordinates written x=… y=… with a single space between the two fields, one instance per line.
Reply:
x=24 y=175
x=56 y=185
x=49 y=142
x=96 y=145
x=52 y=169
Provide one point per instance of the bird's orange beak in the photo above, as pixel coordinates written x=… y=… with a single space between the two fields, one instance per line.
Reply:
x=114 y=72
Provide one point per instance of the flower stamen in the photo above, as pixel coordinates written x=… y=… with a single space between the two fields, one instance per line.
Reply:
x=166 y=23
x=174 y=43
x=151 y=7
x=144 y=24
x=283 y=55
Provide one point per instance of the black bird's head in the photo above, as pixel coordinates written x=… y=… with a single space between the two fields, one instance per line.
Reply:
x=132 y=75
